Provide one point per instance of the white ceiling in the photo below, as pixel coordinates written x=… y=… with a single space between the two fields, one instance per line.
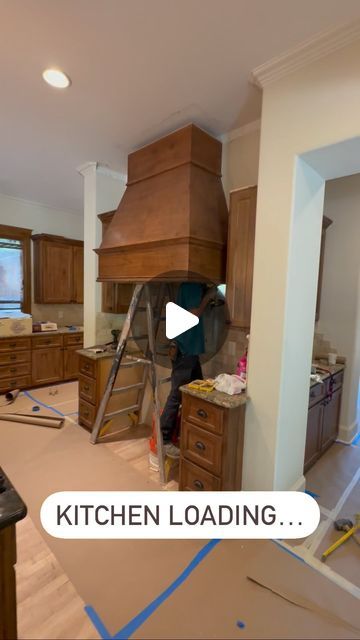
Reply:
x=139 y=69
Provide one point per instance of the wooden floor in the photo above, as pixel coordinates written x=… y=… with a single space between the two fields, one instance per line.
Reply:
x=49 y=607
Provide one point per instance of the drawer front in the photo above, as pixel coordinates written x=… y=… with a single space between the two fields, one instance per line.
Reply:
x=87 y=367
x=87 y=413
x=14 y=344
x=201 y=447
x=317 y=393
x=193 y=478
x=202 y=413
x=74 y=340
x=15 y=370
x=87 y=389
x=45 y=342
x=15 y=383
x=15 y=358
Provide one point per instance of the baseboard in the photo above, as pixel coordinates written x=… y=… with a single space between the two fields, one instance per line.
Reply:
x=299 y=484
x=349 y=433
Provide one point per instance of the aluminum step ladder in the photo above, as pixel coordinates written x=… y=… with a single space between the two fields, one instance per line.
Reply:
x=149 y=369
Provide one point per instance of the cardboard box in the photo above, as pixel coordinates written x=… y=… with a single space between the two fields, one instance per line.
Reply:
x=19 y=324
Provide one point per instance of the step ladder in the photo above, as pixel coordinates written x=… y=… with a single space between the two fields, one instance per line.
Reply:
x=149 y=352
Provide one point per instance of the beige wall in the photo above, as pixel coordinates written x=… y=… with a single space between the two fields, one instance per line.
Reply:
x=242 y=159
x=340 y=301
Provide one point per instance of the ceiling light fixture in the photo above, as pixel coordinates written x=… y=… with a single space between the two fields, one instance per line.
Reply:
x=56 y=78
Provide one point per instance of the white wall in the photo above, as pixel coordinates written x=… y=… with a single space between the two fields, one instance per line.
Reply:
x=340 y=301
x=314 y=107
x=41 y=219
x=241 y=157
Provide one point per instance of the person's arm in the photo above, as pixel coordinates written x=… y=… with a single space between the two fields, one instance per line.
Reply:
x=210 y=295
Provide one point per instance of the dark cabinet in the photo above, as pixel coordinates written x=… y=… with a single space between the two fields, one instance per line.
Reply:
x=115 y=297
x=323 y=418
x=240 y=255
x=58 y=269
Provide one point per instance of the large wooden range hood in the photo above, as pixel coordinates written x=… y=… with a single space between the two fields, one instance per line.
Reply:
x=173 y=215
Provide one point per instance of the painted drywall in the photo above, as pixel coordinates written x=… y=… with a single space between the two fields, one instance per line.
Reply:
x=243 y=160
x=315 y=107
x=42 y=219
x=340 y=300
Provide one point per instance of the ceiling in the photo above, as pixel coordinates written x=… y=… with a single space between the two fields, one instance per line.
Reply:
x=139 y=69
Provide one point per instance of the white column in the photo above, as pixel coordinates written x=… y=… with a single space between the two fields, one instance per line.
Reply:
x=103 y=190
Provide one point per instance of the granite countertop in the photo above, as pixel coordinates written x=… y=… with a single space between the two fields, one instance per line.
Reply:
x=12 y=508
x=108 y=353
x=331 y=369
x=217 y=397
x=77 y=329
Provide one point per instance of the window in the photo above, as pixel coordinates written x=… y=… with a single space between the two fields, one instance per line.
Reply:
x=15 y=269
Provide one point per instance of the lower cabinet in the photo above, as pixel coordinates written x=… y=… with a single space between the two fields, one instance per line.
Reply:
x=323 y=418
x=47 y=365
x=71 y=363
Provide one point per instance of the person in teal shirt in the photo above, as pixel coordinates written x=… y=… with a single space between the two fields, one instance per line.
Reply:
x=194 y=297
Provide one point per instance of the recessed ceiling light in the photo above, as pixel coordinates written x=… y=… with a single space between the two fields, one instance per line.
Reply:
x=56 y=78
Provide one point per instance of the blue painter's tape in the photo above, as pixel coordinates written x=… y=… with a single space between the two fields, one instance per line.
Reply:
x=136 y=622
x=291 y=553
x=356 y=442
x=240 y=624
x=42 y=404
x=312 y=494
x=98 y=623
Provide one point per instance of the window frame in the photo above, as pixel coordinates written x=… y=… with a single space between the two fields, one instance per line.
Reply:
x=24 y=235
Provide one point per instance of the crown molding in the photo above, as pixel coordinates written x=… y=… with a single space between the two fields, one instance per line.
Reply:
x=309 y=51
x=102 y=169
x=240 y=131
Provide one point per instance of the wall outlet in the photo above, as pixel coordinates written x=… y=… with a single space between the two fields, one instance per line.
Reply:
x=60 y=315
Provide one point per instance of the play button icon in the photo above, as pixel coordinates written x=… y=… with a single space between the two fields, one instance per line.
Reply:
x=178 y=320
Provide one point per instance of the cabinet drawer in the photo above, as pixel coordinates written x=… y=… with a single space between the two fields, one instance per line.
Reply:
x=87 y=413
x=317 y=393
x=202 y=413
x=73 y=340
x=15 y=344
x=193 y=478
x=15 y=383
x=45 y=342
x=201 y=447
x=335 y=382
x=15 y=370
x=87 y=367
x=17 y=357
x=87 y=389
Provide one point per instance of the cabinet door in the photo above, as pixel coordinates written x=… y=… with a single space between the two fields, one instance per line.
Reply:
x=78 y=275
x=47 y=365
x=57 y=273
x=331 y=420
x=108 y=297
x=313 y=435
x=71 y=363
x=240 y=261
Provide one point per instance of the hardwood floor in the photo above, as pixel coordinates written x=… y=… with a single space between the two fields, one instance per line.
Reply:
x=48 y=604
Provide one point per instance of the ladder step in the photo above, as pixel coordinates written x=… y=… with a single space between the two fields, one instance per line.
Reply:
x=134 y=407
x=138 y=385
x=143 y=337
x=163 y=380
x=138 y=360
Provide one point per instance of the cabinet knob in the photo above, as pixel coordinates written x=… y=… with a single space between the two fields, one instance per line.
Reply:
x=200 y=445
x=86 y=387
x=13 y=370
x=12 y=357
x=202 y=413
x=199 y=485
x=12 y=344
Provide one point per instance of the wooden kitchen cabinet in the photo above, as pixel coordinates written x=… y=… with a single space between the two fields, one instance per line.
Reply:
x=115 y=297
x=58 y=269
x=240 y=256
x=323 y=418
x=47 y=365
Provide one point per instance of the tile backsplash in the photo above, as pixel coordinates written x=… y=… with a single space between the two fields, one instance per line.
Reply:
x=63 y=314
x=226 y=359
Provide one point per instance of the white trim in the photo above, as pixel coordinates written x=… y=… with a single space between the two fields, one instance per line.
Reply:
x=85 y=168
x=102 y=169
x=348 y=434
x=299 y=485
x=305 y=53
x=241 y=131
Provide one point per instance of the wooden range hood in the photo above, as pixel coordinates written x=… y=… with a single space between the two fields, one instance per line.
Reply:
x=173 y=215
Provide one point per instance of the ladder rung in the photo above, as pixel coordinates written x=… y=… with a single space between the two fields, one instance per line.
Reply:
x=134 y=407
x=145 y=336
x=138 y=385
x=163 y=380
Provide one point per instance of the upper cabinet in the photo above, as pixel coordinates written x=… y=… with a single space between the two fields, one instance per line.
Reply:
x=58 y=270
x=240 y=257
x=116 y=297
